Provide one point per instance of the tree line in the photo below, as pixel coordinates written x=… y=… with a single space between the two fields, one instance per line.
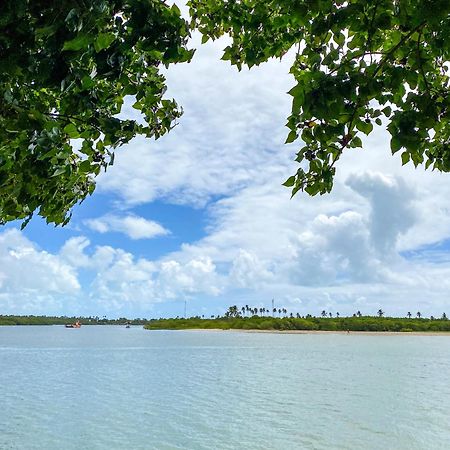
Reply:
x=62 y=320
x=248 y=311
x=261 y=318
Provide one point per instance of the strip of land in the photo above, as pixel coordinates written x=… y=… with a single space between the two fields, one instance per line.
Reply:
x=308 y=324
x=366 y=333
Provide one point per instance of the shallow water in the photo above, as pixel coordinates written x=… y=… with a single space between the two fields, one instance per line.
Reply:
x=115 y=388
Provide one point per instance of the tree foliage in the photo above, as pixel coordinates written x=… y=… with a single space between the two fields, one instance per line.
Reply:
x=358 y=64
x=365 y=323
x=65 y=68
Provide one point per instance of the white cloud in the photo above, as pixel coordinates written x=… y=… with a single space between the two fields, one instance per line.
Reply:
x=31 y=278
x=133 y=226
x=341 y=252
x=233 y=124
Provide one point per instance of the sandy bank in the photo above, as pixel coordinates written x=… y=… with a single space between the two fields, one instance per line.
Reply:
x=367 y=333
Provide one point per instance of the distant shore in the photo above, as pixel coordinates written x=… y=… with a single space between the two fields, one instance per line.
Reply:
x=367 y=333
x=309 y=325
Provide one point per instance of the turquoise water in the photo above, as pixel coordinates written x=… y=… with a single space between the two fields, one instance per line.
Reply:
x=116 y=388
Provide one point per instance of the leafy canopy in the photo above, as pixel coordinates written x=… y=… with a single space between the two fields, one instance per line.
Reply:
x=67 y=65
x=65 y=68
x=358 y=64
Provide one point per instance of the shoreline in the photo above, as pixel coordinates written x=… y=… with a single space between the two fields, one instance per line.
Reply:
x=367 y=333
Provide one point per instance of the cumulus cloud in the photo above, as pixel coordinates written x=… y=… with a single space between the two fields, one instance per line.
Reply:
x=233 y=124
x=119 y=279
x=31 y=278
x=350 y=250
x=392 y=212
x=249 y=271
x=134 y=227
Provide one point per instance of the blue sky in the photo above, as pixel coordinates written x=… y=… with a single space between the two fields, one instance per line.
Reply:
x=200 y=215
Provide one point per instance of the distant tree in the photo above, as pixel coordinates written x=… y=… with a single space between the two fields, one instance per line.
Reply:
x=243 y=310
x=291 y=315
x=359 y=313
x=337 y=315
x=409 y=315
x=419 y=315
x=323 y=313
x=233 y=311
x=380 y=313
x=279 y=311
x=298 y=315
x=444 y=316
x=284 y=311
x=330 y=314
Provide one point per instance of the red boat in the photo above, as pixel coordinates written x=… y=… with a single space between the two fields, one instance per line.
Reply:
x=77 y=324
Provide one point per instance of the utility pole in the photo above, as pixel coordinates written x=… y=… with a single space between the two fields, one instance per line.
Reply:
x=272 y=305
x=185 y=303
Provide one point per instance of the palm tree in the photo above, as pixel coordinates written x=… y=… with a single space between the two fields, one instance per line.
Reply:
x=243 y=310
x=380 y=313
x=298 y=315
x=330 y=315
x=337 y=315
x=444 y=316
x=324 y=313
x=359 y=313
x=274 y=311
x=418 y=315
x=279 y=312
x=409 y=315
x=261 y=310
x=284 y=311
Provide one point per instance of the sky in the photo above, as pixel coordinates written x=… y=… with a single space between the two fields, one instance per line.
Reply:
x=200 y=216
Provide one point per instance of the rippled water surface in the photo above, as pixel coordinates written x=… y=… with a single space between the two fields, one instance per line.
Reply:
x=116 y=388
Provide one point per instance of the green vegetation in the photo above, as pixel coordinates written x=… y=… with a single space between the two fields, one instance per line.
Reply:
x=66 y=67
x=358 y=64
x=62 y=320
x=246 y=318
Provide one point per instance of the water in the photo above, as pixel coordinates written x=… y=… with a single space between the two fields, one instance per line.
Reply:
x=116 y=388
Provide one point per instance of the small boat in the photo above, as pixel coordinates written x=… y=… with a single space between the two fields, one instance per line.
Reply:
x=127 y=325
x=77 y=324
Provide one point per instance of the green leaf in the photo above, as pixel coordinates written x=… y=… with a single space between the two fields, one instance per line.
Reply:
x=405 y=158
x=289 y=182
x=365 y=127
x=72 y=131
x=104 y=40
x=292 y=136
x=356 y=142
x=78 y=43
x=59 y=171
x=395 y=144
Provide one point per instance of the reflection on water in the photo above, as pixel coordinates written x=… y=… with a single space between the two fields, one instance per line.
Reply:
x=116 y=388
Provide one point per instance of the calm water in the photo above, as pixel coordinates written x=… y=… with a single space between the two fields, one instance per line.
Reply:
x=117 y=388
